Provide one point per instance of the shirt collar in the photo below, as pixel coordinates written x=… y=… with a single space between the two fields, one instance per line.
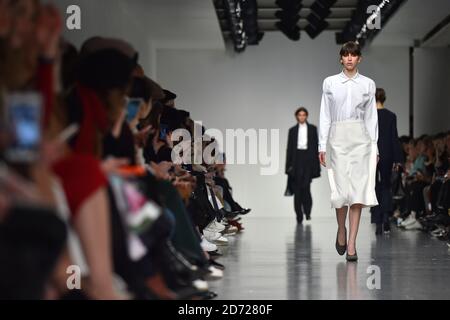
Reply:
x=345 y=79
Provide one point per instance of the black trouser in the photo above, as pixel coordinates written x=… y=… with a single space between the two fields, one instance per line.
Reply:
x=443 y=202
x=227 y=196
x=303 y=201
x=415 y=199
x=380 y=213
x=302 y=184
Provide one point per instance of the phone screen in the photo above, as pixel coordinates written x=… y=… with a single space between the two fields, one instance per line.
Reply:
x=133 y=108
x=163 y=131
x=24 y=123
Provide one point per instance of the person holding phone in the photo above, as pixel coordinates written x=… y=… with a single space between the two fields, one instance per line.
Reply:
x=348 y=144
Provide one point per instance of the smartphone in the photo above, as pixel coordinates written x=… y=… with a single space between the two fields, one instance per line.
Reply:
x=133 y=106
x=163 y=130
x=23 y=120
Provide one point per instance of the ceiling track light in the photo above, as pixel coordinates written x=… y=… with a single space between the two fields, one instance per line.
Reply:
x=250 y=20
x=320 y=10
x=289 y=15
x=233 y=12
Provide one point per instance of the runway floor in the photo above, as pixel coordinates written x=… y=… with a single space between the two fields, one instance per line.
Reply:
x=275 y=259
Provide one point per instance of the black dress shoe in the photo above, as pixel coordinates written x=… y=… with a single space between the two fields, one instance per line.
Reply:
x=387 y=227
x=245 y=211
x=379 y=229
x=308 y=217
x=341 y=248
x=216 y=264
x=215 y=254
x=208 y=295
x=229 y=214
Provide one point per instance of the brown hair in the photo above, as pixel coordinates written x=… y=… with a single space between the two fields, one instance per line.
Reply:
x=352 y=48
x=380 y=95
x=301 y=109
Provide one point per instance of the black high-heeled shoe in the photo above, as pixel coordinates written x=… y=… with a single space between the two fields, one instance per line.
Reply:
x=341 y=248
x=352 y=258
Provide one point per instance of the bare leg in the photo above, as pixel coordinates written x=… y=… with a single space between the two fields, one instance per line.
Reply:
x=341 y=216
x=93 y=228
x=354 y=218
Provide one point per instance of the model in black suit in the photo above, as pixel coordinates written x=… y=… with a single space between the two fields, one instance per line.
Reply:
x=302 y=164
x=390 y=159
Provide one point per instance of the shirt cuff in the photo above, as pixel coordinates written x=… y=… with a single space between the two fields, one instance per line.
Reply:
x=322 y=148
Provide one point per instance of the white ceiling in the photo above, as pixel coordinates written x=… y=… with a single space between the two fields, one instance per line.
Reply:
x=413 y=21
x=190 y=23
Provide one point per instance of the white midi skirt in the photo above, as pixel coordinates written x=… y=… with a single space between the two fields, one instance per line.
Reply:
x=351 y=161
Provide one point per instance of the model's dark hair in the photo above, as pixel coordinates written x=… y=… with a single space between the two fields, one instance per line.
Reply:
x=380 y=95
x=301 y=109
x=352 y=48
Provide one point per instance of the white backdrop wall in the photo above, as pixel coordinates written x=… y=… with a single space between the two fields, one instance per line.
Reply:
x=261 y=89
x=147 y=24
x=432 y=90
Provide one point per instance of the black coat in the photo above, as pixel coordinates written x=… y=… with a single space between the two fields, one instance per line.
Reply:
x=309 y=163
x=388 y=145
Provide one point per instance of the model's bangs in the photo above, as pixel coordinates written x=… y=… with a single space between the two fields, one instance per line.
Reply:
x=350 y=48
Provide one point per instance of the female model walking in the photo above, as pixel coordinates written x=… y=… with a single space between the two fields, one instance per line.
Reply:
x=348 y=138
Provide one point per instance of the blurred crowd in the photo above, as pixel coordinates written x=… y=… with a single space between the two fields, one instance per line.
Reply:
x=87 y=176
x=421 y=186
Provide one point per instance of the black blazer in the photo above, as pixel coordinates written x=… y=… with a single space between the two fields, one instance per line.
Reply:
x=388 y=145
x=312 y=154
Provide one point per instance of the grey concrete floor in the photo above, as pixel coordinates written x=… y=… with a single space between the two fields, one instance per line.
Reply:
x=276 y=259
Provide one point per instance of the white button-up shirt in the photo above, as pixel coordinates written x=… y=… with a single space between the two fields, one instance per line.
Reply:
x=347 y=98
x=302 y=141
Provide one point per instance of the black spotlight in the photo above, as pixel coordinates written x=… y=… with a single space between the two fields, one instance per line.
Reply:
x=292 y=32
x=288 y=16
x=320 y=10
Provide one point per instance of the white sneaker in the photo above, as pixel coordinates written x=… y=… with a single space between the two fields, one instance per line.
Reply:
x=215 y=274
x=211 y=235
x=215 y=226
x=200 y=285
x=414 y=226
x=207 y=246
x=437 y=232
x=410 y=220
x=221 y=241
